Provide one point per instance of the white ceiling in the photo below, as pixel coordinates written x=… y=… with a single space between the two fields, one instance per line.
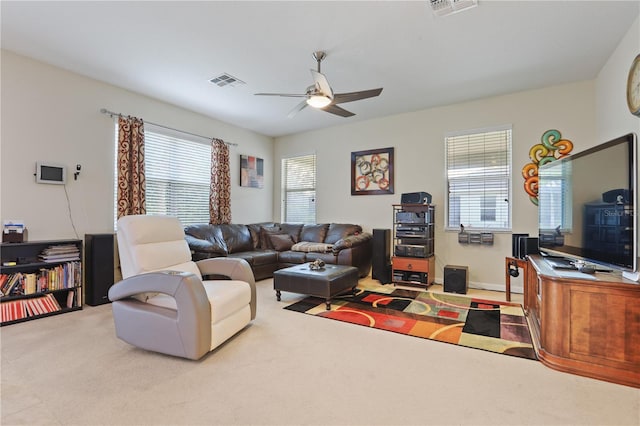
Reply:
x=170 y=49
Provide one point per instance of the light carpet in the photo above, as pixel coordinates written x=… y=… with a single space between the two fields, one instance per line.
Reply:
x=286 y=369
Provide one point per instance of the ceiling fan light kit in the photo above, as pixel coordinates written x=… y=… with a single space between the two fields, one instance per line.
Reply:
x=320 y=95
x=317 y=101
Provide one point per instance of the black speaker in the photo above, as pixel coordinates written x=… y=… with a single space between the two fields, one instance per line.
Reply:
x=415 y=198
x=528 y=245
x=381 y=259
x=456 y=279
x=99 y=265
x=515 y=244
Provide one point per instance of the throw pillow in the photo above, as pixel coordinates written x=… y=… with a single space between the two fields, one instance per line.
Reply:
x=265 y=231
x=281 y=242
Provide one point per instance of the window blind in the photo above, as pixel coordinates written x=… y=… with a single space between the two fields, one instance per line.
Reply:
x=478 y=180
x=299 y=189
x=178 y=175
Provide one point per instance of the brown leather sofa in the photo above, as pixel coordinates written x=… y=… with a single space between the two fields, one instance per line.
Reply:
x=270 y=246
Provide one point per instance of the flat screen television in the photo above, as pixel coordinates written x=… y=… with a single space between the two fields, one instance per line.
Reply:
x=587 y=205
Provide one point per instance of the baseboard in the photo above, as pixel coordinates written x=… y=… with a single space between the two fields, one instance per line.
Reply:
x=488 y=286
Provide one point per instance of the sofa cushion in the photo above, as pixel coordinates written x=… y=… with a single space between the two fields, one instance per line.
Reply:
x=289 y=256
x=292 y=229
x=237 y=237
x=328 y=258
x=265 y=232
x=258 y=257
x=281 y=242
x=254 y=230
x=314 y=233
x=338 y=231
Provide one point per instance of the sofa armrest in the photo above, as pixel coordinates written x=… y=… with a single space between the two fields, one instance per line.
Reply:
x=206 y=247
x=352 y=241
x=234 y=268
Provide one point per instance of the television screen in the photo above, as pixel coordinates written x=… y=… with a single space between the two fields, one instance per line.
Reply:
x=586 y=205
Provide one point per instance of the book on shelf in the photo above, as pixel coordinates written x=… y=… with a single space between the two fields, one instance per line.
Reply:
x=11 y=283
x=60 y=253
x=60 y=277
x=13 y=310
x=70 y=298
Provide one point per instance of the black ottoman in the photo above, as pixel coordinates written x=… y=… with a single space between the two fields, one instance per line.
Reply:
x=326 y=282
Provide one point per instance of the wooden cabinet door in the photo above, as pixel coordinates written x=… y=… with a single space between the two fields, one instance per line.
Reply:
x=413 y=264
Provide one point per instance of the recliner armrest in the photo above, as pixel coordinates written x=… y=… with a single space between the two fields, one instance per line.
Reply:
x=187 y=332
x=234 y=268
x=166 y=282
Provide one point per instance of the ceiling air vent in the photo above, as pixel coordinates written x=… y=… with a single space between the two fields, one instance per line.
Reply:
x=447 y=7
x=226 y=80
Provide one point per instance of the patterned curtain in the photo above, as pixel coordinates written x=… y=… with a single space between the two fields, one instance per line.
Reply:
x=220 y=190
x=131 y=180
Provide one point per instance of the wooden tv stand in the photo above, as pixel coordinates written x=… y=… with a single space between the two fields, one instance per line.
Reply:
x=583 y=326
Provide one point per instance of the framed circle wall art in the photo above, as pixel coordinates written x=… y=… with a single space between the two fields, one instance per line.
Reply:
x=372 y=172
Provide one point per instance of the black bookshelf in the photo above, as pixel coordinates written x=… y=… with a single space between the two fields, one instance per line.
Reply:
x=57 y=288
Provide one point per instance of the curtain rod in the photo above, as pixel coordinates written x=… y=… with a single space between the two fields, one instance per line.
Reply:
x=117 y=114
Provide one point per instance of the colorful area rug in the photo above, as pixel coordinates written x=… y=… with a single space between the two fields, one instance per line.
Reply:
x=493 y=326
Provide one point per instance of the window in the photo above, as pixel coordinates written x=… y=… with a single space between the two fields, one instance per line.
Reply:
x=299 y=189
x=177 y=175
x=479 y=179
x=556 y=193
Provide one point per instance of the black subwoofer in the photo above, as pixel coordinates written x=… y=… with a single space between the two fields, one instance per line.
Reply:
x=99 y=264
x=456 y=279
x=381 y=259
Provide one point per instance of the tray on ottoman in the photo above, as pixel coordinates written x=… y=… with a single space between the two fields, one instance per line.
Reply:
x=327 y=282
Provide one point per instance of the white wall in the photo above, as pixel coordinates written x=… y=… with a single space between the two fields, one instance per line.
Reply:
x=418 y=139
x=52 y=114
x=614 y=118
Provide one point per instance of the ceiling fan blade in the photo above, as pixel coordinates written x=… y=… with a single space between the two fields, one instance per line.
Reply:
x=288 y=95
x=322 y=83
x=335 y=109
x=340 y=98
x=297 y=109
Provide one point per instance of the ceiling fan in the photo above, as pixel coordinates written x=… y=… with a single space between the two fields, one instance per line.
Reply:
x=321 y=96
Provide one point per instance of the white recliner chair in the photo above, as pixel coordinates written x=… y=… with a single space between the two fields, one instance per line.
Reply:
x=163 y=304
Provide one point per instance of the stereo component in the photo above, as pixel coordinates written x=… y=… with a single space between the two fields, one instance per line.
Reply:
x=413 y=231
x=405 y=217
x=413 y=260
x=408 y=250
x=407 y=276
x=415 y=198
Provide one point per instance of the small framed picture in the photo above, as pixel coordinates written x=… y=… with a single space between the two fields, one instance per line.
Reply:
x=251 y=171
x=372 y=172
